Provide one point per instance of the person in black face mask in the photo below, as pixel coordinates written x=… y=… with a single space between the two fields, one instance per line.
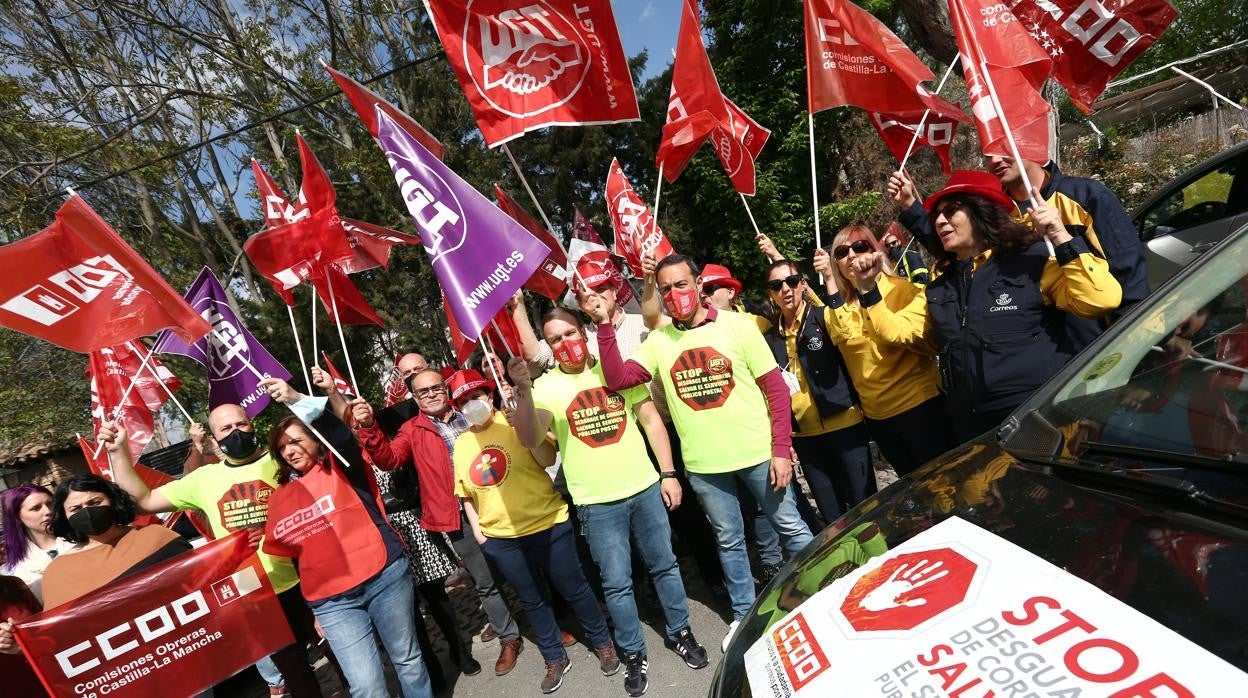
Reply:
x=90 y=510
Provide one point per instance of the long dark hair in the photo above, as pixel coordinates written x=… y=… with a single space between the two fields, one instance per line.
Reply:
x=993 y=223
x=124 y=508
x=15 y=536
x=285 y=471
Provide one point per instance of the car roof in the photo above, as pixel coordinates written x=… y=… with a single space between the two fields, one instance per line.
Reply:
x=1191 y=174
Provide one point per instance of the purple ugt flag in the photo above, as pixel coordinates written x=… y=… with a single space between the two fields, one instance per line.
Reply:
x=225 y=351
x=479 y=254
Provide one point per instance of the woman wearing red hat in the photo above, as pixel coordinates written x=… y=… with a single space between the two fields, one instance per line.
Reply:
x=522 y=524
x=996 y=311
x=898 y=388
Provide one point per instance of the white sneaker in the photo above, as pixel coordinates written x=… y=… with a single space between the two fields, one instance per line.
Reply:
x=732 y=628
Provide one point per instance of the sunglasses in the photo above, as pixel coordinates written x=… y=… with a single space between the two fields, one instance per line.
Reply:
x=858 y=246
x=947 y=210
x=777 y=284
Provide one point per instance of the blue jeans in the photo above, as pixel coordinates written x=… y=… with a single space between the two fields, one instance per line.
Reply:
x=552 y=554
x=718 y=495
x=386 y=604
x=607 y=527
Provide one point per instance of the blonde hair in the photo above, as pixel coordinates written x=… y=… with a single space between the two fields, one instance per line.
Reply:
x=855 y=231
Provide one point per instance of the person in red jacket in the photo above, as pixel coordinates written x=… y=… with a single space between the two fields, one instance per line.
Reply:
x=326 y=515
x=425 y=441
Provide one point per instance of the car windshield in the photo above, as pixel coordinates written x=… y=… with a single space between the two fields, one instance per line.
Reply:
x=1167 y=396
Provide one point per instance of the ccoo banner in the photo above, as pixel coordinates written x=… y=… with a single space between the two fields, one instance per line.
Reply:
x=171 y=630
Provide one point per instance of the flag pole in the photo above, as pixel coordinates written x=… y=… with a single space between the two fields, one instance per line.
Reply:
x=814 y=186
x=923 y=121
x=488 y=348
x=342 y=339
x=256 y=372
x=1005 y=124
x=750 y=213
x=494 y=324
x=315 y=353
x=542 y=212
x=299 y=345
x=152 y=370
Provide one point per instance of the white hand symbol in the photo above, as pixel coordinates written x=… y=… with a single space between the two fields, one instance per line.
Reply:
x=906 y=579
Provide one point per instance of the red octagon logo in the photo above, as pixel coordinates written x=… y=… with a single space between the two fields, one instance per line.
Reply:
x=909 y=590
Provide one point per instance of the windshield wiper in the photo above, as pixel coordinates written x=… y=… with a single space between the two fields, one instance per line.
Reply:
x=1126 y=478
x=1183 y=460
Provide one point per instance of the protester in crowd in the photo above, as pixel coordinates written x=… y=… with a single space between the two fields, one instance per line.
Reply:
x=898 y=389
x=17 y=603
x=429 y=556
x=426 y=442
x=1086 y=208
x=522 y=525
x=246 y=477
x=908 y=264
x=730 y=406
x=29 y=545
x=352 y=565
x=613 y=484
x=93 y=512
x=996 y=312
x=395 y=416
x=828 y=431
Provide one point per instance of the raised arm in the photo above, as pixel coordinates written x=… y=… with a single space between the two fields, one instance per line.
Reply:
x=620 y=374
x=387 y=454
x=337 y=402
x=529 y=422
x=113 y=436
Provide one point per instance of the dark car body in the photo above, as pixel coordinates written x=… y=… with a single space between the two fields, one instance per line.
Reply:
x=1163 y=531
x=1193 y=212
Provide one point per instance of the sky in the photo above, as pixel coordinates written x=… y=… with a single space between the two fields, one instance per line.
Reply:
x=649 y=25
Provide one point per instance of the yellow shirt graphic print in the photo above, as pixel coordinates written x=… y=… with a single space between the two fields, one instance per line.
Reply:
x=489 y=468
x=703 y=378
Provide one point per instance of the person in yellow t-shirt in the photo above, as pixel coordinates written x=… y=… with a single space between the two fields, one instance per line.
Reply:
x=522 y=524
x=829 y=436
x=731 y=410
x=898 y=388
x=613 y=483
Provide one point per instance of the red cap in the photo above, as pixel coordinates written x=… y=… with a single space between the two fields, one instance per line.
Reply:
x=975 y=183
x=465 y=381
x=594 y=268
x=720 y=276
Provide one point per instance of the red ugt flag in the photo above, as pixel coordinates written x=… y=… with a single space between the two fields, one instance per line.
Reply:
x=636 y=231
x=78 y=285
x=991 y=38
x=366 y=103
x=551 y=279
x=173 y=629
x=396 y=390
x=111 y=370
x=340 y=383
x=1091 y=41
x=898 y=130
x=853 y=59
x=525 y=66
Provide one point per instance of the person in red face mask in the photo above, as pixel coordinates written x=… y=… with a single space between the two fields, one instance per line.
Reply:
x=730 y=405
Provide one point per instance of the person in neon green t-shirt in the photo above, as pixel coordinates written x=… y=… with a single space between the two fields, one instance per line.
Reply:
x=613 y=483
x=730 y=405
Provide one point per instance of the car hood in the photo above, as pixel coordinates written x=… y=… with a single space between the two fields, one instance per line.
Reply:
x=1185 y=572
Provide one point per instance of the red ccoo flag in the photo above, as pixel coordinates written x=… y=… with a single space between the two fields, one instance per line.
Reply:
x=551 y=279
x=366 y=102
x=999 y=57
x=273 y=202
x=78 y=285
x=289 y=254
x=1091 y=41
x=636 y=232
x=547 y=63
x=853 y=59
x=898 y=131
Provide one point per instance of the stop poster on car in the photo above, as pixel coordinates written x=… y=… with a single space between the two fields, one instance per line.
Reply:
x=959 y=612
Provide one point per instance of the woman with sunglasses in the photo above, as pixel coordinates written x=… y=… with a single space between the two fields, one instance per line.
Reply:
x=829 y=436
x=898 y=388
x=996 y=311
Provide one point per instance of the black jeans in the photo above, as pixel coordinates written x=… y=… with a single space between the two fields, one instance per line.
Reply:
x=915 y=436
x=838 y=468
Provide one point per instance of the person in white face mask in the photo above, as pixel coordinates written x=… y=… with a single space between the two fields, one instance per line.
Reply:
x=522 y=524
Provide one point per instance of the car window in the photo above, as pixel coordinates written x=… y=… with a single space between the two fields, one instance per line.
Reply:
x=1174 y=381
x=1203 y=200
